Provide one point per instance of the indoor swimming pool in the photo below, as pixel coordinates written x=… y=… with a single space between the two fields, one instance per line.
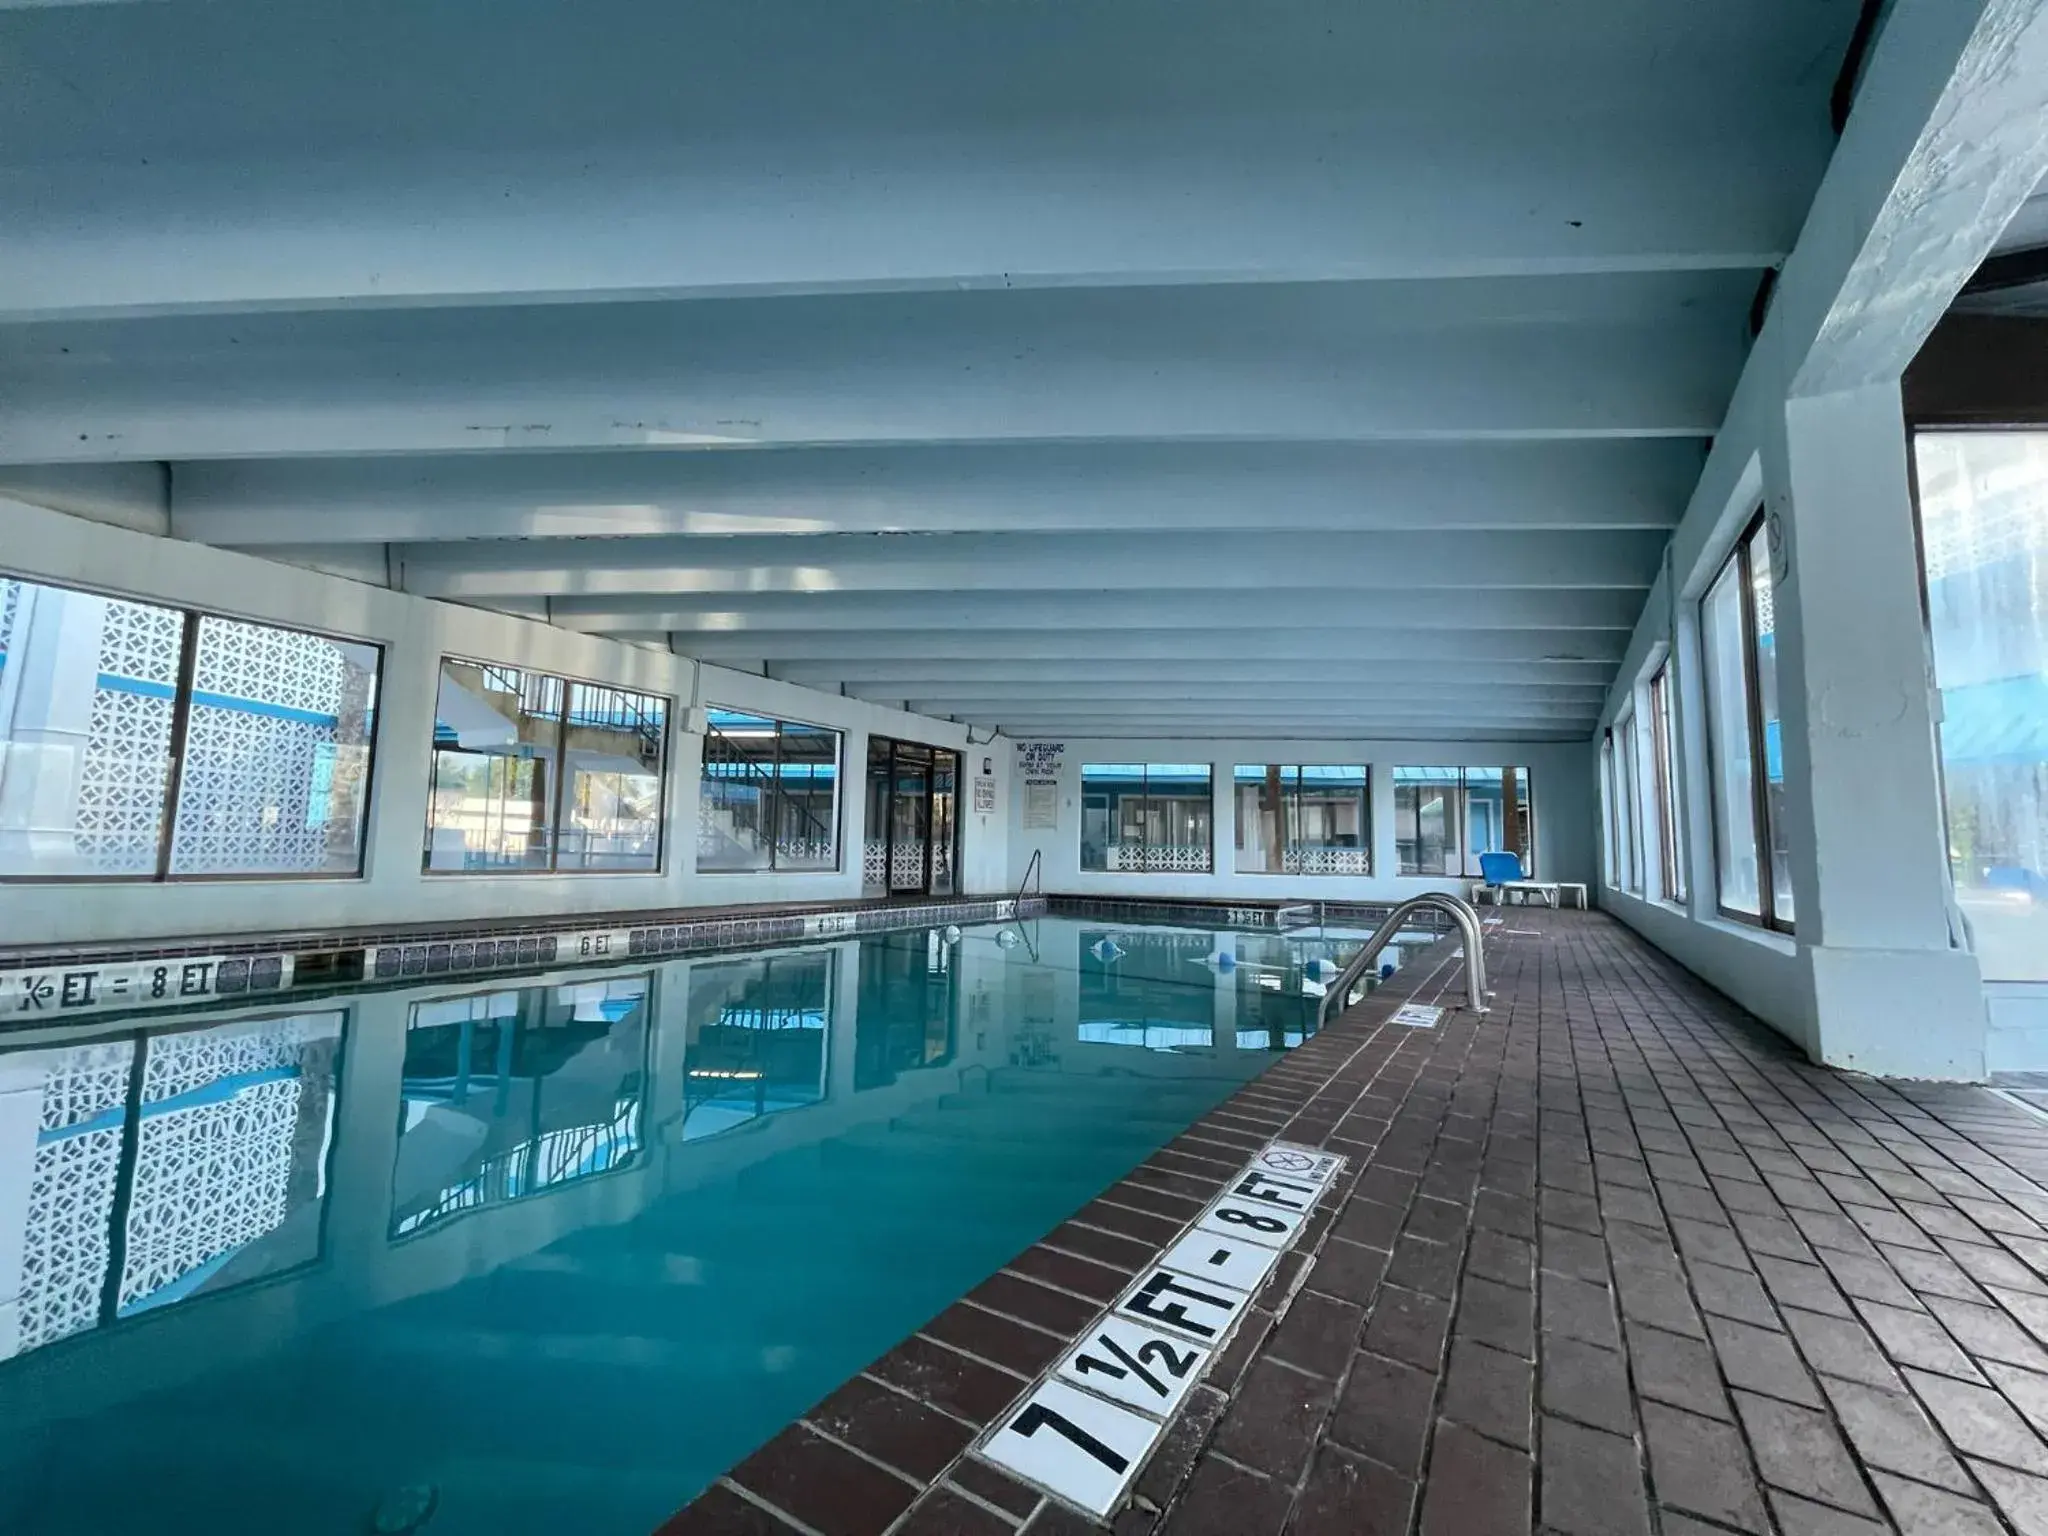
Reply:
x=552 y=1251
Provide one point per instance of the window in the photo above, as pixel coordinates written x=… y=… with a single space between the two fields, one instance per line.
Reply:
x=1738 y=636
x=1610 y=795
x=769 y=796
x=148 y=743
x=1631 y=817
x=1149 y=818
x=1984 y=547
x=1444 y=818
x=1295 y=820
x=533 y=773
x=1664 y=781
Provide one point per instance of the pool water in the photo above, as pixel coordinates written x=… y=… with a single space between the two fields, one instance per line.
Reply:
x=552 y=1254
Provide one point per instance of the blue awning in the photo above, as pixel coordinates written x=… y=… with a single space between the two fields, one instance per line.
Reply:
x=1997 y=722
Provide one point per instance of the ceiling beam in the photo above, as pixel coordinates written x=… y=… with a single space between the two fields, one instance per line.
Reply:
x=1278 y=728
x=1943 y=147
x=686 y=616
x=1346 y=563
x=912 y=678
x=1085 y=648
x=1566 y=358
x=997 y=487
x=1289 y=195
x=1139 y=694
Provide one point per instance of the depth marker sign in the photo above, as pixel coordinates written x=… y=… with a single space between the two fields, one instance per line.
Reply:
x=1083 y=1432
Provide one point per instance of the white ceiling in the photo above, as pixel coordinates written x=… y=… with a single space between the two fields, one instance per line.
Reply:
x=1192 y=366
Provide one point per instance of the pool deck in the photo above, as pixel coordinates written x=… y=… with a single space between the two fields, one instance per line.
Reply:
x=1612 y=1259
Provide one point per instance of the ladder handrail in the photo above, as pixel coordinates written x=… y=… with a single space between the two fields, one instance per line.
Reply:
x=1467 y=919
x=1017 y=906
x=1031 y=869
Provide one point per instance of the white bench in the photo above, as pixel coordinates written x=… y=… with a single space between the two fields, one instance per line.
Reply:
x=1549 y=891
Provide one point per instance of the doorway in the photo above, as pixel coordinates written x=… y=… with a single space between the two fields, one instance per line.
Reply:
x=913 y=820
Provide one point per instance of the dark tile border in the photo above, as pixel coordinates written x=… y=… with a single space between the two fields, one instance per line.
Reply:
x=959 y=1372
x=279 y=966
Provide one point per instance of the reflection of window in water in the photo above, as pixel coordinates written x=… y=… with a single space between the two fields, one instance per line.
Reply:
x=760 y=1035
x=220 y=1184
x=510 y=1094
x=907 y=1007
x=1150 y=989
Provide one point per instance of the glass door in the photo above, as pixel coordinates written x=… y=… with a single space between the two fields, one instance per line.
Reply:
x=945 y=821
x=874 y=862
x=910 y=821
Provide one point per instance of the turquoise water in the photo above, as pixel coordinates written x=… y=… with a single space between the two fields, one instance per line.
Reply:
x=551 y=1254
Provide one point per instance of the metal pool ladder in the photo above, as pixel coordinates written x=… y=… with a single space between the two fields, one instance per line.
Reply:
x=1462 y=912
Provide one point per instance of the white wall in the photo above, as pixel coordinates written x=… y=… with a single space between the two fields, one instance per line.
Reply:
x=416 y=633
x=1560 y=783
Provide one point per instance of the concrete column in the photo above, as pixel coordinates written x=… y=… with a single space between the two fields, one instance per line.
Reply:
x=1890 y=991
x=1386 y=860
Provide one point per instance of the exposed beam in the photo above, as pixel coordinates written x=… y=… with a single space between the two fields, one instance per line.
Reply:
x=1367 y=691
x=1305 y=727
x=1944 y=146
x=1349 y=563
x=908 y=679
x=1534 y=608
x=1566 y=358
x=1084 y=648
x=1282 y=200
x=1049 y=487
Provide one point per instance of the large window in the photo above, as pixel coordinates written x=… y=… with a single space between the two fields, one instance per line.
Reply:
x=534 y=773
x=1444 y=818
x=1984 y=539
x=1631 y=818
x=1664 y=781
x=769 y=797
x=1303 y=820
x=1152 y=818
x=147 y=743
x=1610 y=800
x=1738 y=635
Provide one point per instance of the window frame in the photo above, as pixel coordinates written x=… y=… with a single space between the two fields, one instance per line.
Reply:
x=181 y=714
x=558 y=794
x=1290 y=796
x=1671 y=883
x=1611 y=861
x=839 y=793
x=1929 y=423
x=1739 y=559
x=1461 y=820
x=1113 y=819
x=1628 y=773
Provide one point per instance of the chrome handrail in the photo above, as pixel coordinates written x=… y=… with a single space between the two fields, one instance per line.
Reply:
x=1033 y=868
x=1462 y=912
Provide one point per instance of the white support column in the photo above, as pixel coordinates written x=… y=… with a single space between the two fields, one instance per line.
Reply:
x=1890 y=993
x=1386 y=854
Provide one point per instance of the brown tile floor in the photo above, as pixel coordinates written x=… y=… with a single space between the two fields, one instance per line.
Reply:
x=1610 y=1260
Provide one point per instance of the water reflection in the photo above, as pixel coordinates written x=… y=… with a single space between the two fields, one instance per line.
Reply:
x=511 y=1093
x=645 y=1217
x=146 y=1170
x=759 y=1035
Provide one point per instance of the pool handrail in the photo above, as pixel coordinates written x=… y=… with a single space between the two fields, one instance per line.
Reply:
x=1462 y=912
